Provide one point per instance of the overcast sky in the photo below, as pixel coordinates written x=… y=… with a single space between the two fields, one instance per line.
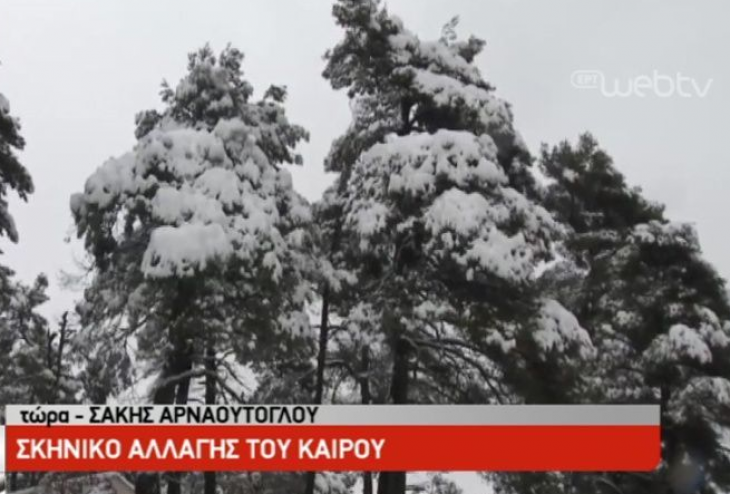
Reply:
x=77 y=71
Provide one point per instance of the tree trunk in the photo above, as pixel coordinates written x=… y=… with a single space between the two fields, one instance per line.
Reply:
x=321 y=362
x=183 y=363
x=209 y=478
x=170 y=392
x=147 y=483
x=12 y=482
x=395 y=482
x=63 y=336
x=366 y=399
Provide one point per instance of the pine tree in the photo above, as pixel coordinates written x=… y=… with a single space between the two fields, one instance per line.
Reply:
x=440 y=224
x=34 y=358
x=658 y=314
x=197 y=237
x=13 y=175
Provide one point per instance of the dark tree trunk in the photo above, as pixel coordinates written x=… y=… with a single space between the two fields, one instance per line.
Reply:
x=322 y=355
x=209 y=478
x=395 y=482
x=180 y=363
x=171 y=391
x=147 y=483
x=366 y=399
x=12 y=482
x=63 y=336
x=321 y=362
x=183 y=363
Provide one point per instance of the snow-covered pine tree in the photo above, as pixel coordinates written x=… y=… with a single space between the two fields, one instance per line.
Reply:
x=197 y=237
x=439 y=220
x=33 y=356
x=13 y=175
x=658 y=314
x=34 y=367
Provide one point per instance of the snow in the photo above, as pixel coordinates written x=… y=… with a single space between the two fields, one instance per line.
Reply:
x=407 y=46
x=665 y=234
x=183 y=152
x=214 y=194
x=569 y=175
x=330 y=483
x=223 y=184
x=412 y=165
x=174 y=206
x=686 y=341
x=437 y=170
x=537 y=220
x=372 y=219
x=456 y=210
x=179 y=251
x=361 y=324
x=680 y=343
x=447 y=91
x=508 y=257
x=700 y=394
x=438 y=71
x=416 y=160
x=113 y=178
x=624 y=318
x=470 y=215
x=558 y=330
x=712 y=330
x=506 y=345
x=716 y=387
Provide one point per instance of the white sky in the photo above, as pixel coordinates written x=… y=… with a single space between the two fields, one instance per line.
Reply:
x=77 y=71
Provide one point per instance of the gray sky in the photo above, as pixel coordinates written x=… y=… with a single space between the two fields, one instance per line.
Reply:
x=77 y=71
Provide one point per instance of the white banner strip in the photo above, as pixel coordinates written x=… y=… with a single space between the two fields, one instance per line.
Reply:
x=2 y=450
x=338 y=415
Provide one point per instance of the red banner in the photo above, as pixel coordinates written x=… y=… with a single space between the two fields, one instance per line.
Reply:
x=86 y=448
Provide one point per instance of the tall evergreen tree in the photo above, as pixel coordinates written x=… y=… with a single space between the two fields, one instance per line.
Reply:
x=34 y=357
x=657 y=312
x=34 y=363
x=197 y=236
x=439 y=223
x=13 y=175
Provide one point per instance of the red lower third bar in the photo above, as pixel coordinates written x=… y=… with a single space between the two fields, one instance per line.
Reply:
x=80 y=448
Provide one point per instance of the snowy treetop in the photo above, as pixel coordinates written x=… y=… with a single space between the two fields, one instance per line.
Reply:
x=214 y=194
x=205 y=173
x=451 y=183
x=665 y=234
x=427 y=74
